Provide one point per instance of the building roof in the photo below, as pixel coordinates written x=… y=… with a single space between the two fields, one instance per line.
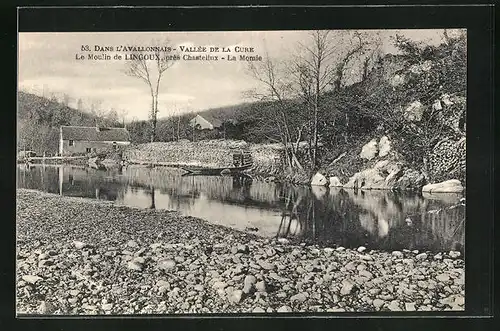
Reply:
x=92 y=133
x=211 y=119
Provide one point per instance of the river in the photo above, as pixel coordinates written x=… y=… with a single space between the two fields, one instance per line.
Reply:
x=381 y=220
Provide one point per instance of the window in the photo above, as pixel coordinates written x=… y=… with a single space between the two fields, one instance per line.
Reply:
x=71 y=143
x=88 y=149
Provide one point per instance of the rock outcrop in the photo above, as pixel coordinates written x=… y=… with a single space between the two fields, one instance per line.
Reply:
x=319 y=180
x=335 y=182
x=370 y=150
x=384 y=146
x=448 y=186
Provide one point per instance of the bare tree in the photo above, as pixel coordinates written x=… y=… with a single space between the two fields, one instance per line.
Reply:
x=278 y=88
x=324 y=66
x=150 y=71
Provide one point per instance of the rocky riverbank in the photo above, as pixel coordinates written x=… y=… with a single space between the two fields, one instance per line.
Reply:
x=79 y=256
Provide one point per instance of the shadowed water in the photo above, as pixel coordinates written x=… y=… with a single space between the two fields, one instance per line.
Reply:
x=377 y=219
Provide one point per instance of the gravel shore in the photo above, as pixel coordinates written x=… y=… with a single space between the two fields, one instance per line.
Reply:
x=82 y=256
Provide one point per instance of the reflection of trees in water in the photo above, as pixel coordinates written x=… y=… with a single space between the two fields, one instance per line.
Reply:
x=228 y=189
x=378 y=219
x=43 y=178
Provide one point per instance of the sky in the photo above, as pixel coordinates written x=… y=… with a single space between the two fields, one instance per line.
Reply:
x=47 y=64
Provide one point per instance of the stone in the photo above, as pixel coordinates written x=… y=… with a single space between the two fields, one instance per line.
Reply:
x=31 y=278
x=410 y=180
x=335 y=182
x=410 y=306
x=79 y=244
x=347 y=287
x=384 y=146
x=249 y=281
x=361 y=249
x=260 y=286
x=319 y=180
x=454 y=254
x=421 y=256
x=219 y=285
x=46 y=308
x=448 y=186
x=397 y=80
x=107 y=306
x=397 y=254
x=167 y=265
x=45 y=263
x=394 y=306
x=369 y=150
x=438 y=256
x=437 y=105
x=371 y=178
x=443 y=277
x=284 y=309
x=266 y=265
x=378 y=303
x=132 y=244
x=365 y=273
x=74 y=292
x=138 y=260
x=300 y=297
x=350 y=266
x=235 y=296
x=258 y=310
x=134 y=266
x=414 y=112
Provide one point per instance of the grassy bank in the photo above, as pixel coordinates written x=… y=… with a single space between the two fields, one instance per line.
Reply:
x=78 y=256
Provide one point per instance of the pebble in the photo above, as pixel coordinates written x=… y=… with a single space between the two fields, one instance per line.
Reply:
x=377 y=303
x=79 y=244
x=421 y=256
x=361 y=249
x=347 y=287
x=397 y=254
x=443 y=277
x=394 y=306
x=248 y=283
x=260 y=277
x=134 y=266
x=284 y=309
x=266 y=265
x=410 y=306
x=167 y=265
x=300 y=297
x=31 y=279
x=260 y=286
x=283 y=241
x=235 y=296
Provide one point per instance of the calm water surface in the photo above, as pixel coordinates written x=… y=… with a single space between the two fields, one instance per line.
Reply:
x=377 y=219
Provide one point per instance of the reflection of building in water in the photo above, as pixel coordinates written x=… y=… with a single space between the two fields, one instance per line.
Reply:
x=79 y=182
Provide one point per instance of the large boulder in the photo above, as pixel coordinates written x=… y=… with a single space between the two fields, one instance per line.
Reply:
x=414 y=112
x=411 y=180
x=448 y=186
x=319 y=180
x=335 y=182
x=382 y=176
x=370 y=150
x=367 y=179
x=384 y=146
